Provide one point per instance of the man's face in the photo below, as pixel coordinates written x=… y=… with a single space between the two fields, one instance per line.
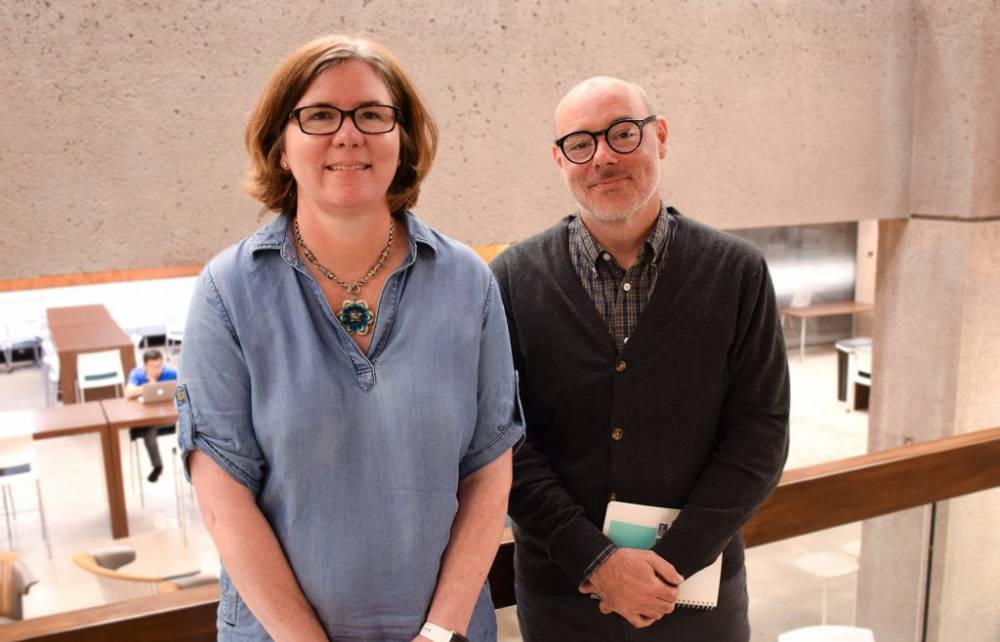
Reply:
x=153 y=369
x=611 y=186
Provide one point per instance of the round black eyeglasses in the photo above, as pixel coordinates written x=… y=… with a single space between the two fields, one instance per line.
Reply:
x=327 y=119
x=623 y=136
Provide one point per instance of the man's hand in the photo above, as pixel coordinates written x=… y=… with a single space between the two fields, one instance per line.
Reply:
x=637 y=584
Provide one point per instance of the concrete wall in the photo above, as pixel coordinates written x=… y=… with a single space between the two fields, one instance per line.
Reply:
x=936 y=336
x=121 y=143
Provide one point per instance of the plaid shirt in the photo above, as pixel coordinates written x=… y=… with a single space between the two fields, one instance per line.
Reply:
x=620 y=295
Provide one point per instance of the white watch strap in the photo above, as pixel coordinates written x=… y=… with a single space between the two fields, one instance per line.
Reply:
x=436 y=633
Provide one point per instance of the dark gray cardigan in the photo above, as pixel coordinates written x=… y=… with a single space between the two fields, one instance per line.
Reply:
x=702 y=400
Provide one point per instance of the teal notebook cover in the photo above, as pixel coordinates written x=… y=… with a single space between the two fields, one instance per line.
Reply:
x=631 y=535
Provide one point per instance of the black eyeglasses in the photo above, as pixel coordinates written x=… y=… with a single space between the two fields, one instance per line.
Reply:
x=327 y=119
x=623 y=135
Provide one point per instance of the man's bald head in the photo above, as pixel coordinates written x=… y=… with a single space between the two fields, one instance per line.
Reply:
x=585 y=90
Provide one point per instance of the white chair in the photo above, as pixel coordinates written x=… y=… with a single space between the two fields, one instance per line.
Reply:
x=99 y=370
x=826 y=565
x=116 y=585
x=23 y=326
x=852 y=548
x=828 y=633
x=859 y=373
x=175 y=335
x=50 y=372
x=17 y=469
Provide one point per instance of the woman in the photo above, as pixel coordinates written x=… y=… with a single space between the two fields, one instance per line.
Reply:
x=348 y=400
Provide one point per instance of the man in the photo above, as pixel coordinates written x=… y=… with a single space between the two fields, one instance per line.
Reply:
x=151 y=370
x=652 y=371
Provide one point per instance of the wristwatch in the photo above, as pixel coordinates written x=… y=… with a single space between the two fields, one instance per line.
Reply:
x=436 y=633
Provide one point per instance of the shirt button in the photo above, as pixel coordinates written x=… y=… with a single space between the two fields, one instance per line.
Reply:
x=612 y=496
x=626 y=340
x=617 y=434
x=621 y=365
x=606 y=256
x=627 y=287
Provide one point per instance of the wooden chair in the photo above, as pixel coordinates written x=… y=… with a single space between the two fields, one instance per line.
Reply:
x=116 y=585
x=15 y=582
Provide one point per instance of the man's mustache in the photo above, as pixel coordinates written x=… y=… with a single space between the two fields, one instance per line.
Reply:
x=607 y=175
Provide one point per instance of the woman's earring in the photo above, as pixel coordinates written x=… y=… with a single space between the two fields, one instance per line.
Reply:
x=284 y=166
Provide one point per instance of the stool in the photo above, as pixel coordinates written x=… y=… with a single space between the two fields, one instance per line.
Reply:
x=826 y=566
x=845 y=347
x=827 y=633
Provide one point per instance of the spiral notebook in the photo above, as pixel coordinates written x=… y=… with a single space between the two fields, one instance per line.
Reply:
x=640 y=526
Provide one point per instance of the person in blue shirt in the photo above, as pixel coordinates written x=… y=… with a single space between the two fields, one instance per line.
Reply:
x=348 y=402
x=152 y=370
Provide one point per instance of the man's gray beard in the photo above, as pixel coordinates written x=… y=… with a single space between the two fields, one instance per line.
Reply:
x=609 y=216
x=616 y=215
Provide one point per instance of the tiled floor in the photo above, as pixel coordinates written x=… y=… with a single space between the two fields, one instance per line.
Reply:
x=781 y=595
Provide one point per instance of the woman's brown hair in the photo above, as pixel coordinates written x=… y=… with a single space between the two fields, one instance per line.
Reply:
x=264 y=139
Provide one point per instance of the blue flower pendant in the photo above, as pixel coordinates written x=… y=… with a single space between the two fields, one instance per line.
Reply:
x=356 y=316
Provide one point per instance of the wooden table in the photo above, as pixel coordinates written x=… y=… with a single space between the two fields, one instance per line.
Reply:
x=105 y=417
x=132 y=413
x=77 y=314
x=821 y=310
x=77 y=419
x=55 y=421
x=85 y=328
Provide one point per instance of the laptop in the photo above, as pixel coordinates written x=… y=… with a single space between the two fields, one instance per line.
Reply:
x=158 y=391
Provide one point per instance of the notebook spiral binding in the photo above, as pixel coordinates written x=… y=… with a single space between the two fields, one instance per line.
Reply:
x=701 y=606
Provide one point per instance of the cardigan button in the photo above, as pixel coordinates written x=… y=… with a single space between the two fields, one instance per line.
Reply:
x=612 y=496
x=617 y=434
x=621 y=366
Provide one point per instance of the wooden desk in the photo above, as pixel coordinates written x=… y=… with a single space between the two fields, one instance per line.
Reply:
x=820 y=310
x=77 y=419
x=77 y=314
x=131 y=413
x=73 y=334
x=55 y=421
x=105 y=417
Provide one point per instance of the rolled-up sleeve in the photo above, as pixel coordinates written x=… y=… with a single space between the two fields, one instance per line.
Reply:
x=499 y=421
x=213 y=396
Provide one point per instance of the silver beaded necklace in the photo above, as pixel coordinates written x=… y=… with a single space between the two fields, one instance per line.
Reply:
x=355 y=315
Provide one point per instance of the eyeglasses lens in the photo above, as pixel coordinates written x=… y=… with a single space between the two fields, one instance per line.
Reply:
x=579 y=148
x=375 y=119
x=624 y=137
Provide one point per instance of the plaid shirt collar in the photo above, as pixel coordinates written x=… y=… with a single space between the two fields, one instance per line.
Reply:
x=590 y=251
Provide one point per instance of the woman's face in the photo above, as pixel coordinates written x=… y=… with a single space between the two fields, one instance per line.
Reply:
x=346 y=170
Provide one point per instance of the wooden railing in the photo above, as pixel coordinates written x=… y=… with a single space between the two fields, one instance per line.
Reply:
x=904 y=477
x=486 y=252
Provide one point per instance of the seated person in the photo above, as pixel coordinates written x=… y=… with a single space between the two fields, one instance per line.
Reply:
x=151 y=370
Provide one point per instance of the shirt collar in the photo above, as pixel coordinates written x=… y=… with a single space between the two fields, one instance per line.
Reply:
x=656 y=241
x=277 y=236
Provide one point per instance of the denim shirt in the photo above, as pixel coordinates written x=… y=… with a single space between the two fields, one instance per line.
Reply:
x=354 y=458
